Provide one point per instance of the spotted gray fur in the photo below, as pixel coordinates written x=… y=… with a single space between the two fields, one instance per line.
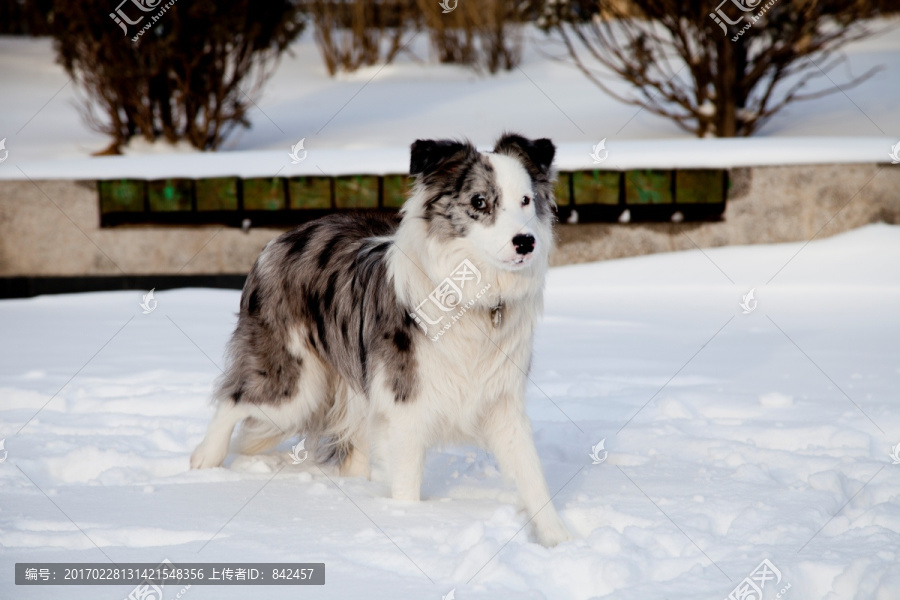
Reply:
x=327 y=279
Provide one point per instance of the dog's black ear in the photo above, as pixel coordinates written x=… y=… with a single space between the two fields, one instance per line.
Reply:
x=536 y=155
x=427 y=156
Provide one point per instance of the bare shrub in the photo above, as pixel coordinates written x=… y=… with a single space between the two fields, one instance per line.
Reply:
x=356 y=33
x=713 y=78
x=486 y=35
x=190 y=77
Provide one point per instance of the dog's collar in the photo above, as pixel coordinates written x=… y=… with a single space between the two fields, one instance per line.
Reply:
x=497 y=314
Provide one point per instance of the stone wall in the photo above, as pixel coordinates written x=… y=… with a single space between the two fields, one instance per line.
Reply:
x=765 y=205
x=51 y=228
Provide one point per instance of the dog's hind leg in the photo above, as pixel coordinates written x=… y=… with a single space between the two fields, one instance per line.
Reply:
x=304 y=398
x=356 y=463
x=211 y=452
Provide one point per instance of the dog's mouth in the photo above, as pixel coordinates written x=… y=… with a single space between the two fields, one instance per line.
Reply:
x=520 y=261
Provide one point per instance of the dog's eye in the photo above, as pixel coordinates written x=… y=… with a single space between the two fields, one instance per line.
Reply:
x=478 y=202
x=526 y=200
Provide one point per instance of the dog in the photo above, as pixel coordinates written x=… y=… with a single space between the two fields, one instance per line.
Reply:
x=379 y=337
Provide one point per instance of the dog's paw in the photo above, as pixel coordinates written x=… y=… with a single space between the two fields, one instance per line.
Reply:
x=205 y=457
x=550 y=539
x=551 y=533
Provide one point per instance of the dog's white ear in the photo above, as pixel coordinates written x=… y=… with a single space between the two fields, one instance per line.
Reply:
x=535 y=155
x=428 y=156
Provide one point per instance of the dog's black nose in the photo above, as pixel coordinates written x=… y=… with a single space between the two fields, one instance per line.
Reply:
x=524 y=243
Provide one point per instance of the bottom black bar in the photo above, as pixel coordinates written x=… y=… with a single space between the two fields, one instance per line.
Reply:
x=26 y=287
x=643 y=213
x=168 y=573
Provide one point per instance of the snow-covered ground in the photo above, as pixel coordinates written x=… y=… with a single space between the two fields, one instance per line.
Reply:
x=731 y=438
x=390 y=106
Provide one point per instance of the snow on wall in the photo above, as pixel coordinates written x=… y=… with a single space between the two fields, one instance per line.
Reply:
x=623 y=154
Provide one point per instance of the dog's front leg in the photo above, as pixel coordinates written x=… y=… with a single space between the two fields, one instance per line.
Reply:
x=508 y=435
x=406 y=455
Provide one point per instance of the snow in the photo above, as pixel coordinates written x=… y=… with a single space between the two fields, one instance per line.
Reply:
x=625 y=154
x=731 y=438
x=364 y=122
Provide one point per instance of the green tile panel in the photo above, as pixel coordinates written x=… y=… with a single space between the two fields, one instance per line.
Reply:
x=700 y=186
x=220 y=193
x=122 y=195
x=310 y=192
x=170 y=195
x=356 y=191
x=561 y=192
x=396 y=190
x=648 y=186
x=596 y=187
x=264 y=193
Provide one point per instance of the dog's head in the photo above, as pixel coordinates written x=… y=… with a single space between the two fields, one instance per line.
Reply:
x=500 y=202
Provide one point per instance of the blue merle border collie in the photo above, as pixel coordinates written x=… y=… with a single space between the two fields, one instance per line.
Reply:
x=381 y=337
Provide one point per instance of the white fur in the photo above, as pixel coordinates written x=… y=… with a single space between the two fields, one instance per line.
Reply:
x=494 y=242
x=474 y=377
